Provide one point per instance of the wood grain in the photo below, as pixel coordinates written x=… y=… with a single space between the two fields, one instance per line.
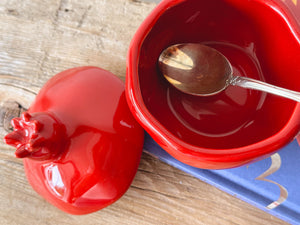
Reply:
x=41 y=38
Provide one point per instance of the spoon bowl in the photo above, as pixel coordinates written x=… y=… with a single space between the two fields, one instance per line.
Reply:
x=195 y=69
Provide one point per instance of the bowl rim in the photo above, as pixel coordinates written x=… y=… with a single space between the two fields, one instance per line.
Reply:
x=172 y=144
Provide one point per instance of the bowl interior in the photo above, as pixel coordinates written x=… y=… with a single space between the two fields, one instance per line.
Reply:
x=258 y=43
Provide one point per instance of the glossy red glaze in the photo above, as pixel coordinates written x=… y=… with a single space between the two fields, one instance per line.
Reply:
x=92 y=142
x=37 y=136
x=261 y=40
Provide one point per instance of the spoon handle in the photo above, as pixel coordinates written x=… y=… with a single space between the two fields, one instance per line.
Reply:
x=249 y=83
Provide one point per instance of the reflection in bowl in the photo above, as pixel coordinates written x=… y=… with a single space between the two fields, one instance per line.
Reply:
x=238 y=125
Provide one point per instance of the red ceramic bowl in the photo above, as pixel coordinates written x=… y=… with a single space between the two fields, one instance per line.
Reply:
x=237 y=126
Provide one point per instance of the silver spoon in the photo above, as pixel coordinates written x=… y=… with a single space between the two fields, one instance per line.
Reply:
x=200 y=70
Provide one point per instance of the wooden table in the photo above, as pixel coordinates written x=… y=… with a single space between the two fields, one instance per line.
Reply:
x=40 y=38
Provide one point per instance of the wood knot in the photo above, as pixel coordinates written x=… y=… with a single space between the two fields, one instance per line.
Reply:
x=8 y=111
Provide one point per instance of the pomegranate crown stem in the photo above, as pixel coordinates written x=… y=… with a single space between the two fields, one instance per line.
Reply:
x=38 y=136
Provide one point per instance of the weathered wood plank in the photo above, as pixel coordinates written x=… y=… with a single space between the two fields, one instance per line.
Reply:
x=41 y=38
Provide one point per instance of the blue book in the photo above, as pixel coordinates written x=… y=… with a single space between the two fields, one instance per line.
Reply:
x=272 y=184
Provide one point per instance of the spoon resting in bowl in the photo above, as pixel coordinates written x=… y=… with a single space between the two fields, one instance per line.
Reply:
x=197 y=69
